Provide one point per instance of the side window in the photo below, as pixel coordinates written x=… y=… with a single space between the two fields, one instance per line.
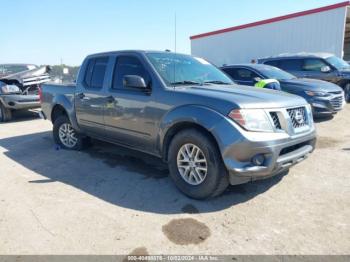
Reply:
x=95 y=72
x=272 y=63
x=243 y=74
x=291 y=64
x=88 y=72
x=313 y=64
x=128 y=65
x=232 y=72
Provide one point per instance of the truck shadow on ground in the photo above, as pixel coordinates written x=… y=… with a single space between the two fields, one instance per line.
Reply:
x=320 y=119
x=117 y=175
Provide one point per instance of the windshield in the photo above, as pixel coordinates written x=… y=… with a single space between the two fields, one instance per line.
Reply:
x=275 y=73
x=12 y=69
x=337 y=62
x=178 y=69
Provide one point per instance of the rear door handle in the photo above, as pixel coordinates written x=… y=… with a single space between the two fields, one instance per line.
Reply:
x=110 y=99
x=81 y=95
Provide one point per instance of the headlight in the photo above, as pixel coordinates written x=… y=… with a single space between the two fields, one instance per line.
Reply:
x=252 y=119
x=312 y=93
x=10 y=89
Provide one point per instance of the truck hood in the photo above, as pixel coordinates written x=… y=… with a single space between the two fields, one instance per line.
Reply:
x=247 y=97
x=304 y=84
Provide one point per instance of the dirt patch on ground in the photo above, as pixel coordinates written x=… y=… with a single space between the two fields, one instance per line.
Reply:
x=327 y=142
x=186 y=231
x=190 y=209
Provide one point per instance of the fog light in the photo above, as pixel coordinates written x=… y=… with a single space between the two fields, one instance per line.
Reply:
x=258 y=160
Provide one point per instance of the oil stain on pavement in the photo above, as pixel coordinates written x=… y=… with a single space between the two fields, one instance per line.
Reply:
x=186 y=231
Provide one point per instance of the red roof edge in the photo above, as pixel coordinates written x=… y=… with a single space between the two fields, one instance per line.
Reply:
x=272 y=20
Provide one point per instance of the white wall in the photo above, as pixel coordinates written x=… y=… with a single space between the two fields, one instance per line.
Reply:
x=320 y=32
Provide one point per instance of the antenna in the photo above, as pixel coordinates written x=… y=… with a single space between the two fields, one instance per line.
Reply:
x=175 y=33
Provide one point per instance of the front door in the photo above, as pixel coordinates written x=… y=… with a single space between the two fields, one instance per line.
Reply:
x=128 y=112
x=312 y=68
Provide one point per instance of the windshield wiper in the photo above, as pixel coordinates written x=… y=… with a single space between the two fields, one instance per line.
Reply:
x=185 y=82
x=217 y=82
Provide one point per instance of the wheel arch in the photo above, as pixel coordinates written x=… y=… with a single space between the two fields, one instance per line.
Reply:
x=65 y=106
x=57 y=111
x=200 y=118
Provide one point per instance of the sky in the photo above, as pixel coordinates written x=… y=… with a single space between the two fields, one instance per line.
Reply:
x=51 y=31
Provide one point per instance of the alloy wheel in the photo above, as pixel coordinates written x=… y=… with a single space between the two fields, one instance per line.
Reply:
x=192 y=164
x=67 y=135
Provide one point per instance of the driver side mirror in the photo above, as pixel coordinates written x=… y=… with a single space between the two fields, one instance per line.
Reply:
x=135 y=81
x=325 y=69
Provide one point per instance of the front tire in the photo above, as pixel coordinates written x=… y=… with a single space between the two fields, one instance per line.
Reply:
x=347 y=92
x=65 y=135
x=5 y=113
x=196 y=166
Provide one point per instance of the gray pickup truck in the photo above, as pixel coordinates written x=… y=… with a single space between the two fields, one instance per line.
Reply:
x=184 y=110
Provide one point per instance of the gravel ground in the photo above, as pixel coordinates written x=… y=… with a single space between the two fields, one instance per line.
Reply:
x=109 y=200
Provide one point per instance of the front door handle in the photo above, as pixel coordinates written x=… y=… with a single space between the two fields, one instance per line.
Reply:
x=110 y=99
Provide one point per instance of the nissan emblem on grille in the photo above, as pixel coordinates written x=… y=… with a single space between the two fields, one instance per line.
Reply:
x=297 y=116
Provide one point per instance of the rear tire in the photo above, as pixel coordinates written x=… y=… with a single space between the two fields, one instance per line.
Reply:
x=5 y=113
x=66 y=136
x=203 y=154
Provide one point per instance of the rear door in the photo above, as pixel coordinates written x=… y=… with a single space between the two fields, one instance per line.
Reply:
x=89 y=97
x=293 y=66
x=129 y=115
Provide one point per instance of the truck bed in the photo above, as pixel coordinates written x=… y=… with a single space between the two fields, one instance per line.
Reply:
x=53 y=91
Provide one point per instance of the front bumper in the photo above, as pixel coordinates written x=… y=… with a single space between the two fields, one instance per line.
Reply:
x=279 y=157
x=280 y=150
x=17 y=101
x=327 y=105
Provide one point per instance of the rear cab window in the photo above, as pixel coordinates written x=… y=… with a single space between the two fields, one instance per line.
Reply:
x=95 y=72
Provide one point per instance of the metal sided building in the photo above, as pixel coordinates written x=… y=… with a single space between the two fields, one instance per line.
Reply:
x=325 y=29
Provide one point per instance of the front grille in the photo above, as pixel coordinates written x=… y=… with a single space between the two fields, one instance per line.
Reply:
x=276 y=121
x=28 y=101
x=337 y=102
x=336 y=92
x=298 y=117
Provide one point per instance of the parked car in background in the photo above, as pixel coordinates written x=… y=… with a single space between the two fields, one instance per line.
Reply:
x=184 y=110
x=324 y=97
x=322 y=66
x=19 y=87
